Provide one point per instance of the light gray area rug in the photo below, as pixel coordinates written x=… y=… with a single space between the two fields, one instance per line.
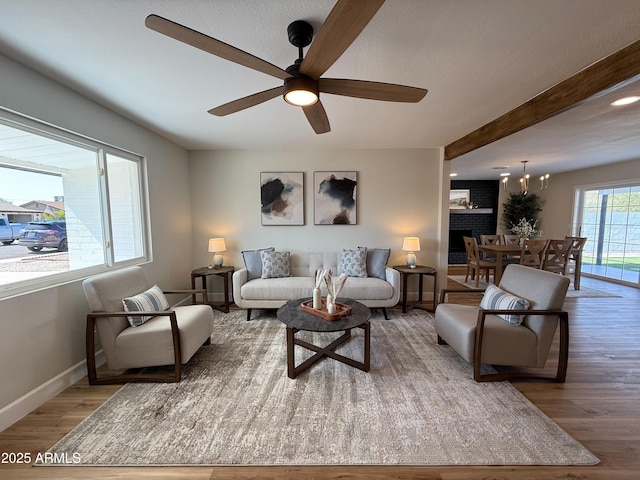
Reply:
x=236 y=406
x=584 y=292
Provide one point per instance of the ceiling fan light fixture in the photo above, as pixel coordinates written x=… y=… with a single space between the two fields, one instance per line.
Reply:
x=300 y=91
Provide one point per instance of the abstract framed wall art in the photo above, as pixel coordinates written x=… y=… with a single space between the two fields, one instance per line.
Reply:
x=282 y=198
x=335 y=198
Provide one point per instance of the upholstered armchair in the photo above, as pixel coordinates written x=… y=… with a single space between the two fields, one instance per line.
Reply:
x=514 y=325
x=161 y=335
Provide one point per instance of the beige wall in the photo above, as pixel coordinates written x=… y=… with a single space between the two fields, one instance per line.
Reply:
x=559 y=197
x=43 y=332
x=556 y=218
x=398 y=194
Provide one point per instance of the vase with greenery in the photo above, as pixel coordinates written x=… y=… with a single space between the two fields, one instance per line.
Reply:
x=520 y=206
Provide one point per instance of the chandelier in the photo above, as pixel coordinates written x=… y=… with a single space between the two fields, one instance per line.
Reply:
x=524 y=181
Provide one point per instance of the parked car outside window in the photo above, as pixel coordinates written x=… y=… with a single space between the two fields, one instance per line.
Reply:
x=45 y=234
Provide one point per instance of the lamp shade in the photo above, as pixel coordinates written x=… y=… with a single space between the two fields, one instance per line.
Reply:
x=411 y=244
x=217 y=245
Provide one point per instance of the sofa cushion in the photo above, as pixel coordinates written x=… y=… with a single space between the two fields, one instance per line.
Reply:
x=275 y=264
x=283 y=288
x=497 y=299
x=290 y=288
x=377 y=259
x=151 y=300
x=369 y=288
x=353 y=263
x=253 y=262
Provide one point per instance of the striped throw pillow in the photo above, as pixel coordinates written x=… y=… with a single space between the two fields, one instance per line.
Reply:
x=153 y=300
x=497 y=299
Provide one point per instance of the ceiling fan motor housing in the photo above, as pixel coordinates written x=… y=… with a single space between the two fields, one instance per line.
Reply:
x=300 y=33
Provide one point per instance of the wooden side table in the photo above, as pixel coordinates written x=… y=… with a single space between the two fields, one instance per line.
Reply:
x=225 y=272
x=420 y=270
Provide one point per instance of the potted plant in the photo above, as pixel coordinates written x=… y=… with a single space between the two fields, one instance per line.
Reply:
x=520 y=206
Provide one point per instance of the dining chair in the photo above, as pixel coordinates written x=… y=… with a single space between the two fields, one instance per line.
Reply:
x=576 y=247
x=575 y=255
x=532 y=253
x=557 y=255
x=475 y=264
x=510 y=239
x=490 y=240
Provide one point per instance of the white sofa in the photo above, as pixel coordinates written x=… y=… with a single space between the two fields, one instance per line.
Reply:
x=271 y=293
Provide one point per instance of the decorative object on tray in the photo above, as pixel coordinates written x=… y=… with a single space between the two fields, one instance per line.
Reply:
x=334 y=288
x=317 y=294
x=340 y=310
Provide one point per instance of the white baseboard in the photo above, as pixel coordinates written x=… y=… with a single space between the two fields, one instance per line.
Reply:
x=26 y=404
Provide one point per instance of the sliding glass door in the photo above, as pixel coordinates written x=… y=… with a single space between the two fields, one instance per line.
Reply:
x=609 y=216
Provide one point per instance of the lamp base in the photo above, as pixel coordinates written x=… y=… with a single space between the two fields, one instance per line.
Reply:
x=217 y=260
x=411 y=260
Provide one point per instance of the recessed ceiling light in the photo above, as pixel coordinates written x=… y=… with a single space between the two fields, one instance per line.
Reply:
x=453 y=174
x=625 y=101
x=505 y=174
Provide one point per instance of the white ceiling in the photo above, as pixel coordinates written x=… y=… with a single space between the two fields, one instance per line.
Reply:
x=478 y=58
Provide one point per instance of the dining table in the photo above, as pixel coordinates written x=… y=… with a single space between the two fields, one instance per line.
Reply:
x=503 y=251
x=500 y=252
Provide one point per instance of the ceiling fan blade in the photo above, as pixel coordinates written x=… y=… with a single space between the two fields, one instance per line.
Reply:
x=213 y=46
x=343 y=25
x=317 y=117
x=246 y=102
x=389 y=92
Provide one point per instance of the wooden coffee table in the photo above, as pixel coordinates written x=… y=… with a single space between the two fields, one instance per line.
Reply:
x=292 y=315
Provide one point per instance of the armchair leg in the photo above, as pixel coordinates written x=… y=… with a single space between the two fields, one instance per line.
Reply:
x=386 y=314
x=248 y=314
x=563 y=359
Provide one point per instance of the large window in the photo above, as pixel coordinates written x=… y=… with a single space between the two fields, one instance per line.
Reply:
x=609 y=216
x=94 y=194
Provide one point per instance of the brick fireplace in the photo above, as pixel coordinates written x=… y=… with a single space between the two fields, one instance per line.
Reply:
x=474 y=222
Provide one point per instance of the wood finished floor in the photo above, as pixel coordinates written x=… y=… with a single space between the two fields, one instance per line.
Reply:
x=599 y=405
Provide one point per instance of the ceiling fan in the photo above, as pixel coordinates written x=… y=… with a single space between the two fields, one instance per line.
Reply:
x=303 y=80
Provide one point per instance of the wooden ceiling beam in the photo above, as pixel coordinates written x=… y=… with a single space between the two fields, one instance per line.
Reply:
x=606 y=74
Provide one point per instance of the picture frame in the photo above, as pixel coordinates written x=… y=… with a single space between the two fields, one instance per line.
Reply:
x=459 y=199
x=282 y=198
x=335 y=197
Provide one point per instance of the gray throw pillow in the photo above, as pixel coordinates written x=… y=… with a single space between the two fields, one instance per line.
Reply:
x=377 y=259
x=353 y=263
x=253 y=262
x=275 y=264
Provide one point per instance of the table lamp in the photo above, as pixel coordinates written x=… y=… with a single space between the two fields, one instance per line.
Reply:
x=217 y=245
x=411 y=245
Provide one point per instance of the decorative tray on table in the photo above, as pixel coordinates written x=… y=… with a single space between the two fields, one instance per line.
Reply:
x=341 y=310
